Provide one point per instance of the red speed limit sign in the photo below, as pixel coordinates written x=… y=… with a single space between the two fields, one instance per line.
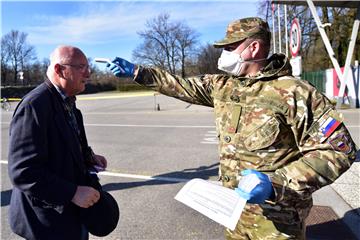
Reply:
x=295 y=37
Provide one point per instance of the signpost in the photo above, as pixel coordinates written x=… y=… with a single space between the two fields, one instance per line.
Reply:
x=295 y=44
x=295 y=38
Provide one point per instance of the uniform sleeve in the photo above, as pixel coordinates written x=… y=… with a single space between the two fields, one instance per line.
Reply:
x=196 y=90
x=28 y=158
x=326 y=147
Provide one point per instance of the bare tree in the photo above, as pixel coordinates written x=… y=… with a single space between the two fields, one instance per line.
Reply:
x=312 y=47
x=4 y=66
x=20 y=53
x=166 y=44
x=37 y=71
x=186 y=40
x=208 y=59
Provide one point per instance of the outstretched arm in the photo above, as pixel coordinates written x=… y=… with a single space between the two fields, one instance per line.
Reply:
x=196 y=90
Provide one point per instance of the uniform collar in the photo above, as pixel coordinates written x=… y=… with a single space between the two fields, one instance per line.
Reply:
x=278 y=66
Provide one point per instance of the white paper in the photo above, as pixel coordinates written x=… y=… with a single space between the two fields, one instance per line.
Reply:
x=221 y=204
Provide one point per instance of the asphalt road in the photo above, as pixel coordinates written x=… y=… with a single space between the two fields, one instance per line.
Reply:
x=150 y=155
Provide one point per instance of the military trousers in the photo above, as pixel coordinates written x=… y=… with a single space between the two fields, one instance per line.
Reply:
x=258 y=227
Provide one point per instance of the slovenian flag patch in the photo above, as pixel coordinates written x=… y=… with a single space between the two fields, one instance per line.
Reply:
x=329 y=126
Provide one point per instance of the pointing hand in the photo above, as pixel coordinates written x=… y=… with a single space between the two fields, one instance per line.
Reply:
x=121 y=68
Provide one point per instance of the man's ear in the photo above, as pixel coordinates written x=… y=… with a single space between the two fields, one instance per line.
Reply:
x=255 y=48
x=58 y=69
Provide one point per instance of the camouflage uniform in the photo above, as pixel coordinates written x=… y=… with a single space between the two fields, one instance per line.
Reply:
x=273 y=123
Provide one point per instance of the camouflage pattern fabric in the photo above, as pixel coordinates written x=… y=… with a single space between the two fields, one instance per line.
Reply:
x=276 y=124
x=244 y=28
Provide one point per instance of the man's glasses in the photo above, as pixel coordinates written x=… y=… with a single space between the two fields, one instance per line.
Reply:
x=80 y=67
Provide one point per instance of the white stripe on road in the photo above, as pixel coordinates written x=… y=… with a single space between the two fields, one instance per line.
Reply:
x=139 y=125
x=160 y=126
x=126 y=175
x=145 y=126
x=210 y=138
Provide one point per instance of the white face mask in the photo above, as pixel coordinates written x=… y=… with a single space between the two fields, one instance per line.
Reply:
x=230 y=62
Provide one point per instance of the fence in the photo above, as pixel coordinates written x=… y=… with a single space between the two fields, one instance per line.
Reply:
x=318 y=79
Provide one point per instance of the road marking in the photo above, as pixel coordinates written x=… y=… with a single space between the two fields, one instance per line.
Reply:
x=117 y=96
x=136 y=176
x=145 y=126
x=125 y=175
x=137 y=126
x=164 y=126
x=124 y=95
x=210 y=138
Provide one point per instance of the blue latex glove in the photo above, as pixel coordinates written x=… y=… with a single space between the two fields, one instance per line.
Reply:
x=121 y=68
x=263 y=191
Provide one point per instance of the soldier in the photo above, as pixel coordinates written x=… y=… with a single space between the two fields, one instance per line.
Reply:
x=270 y=125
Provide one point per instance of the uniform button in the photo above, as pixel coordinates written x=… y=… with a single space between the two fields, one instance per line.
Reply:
x=242 y=83
x=235 y=98
x=227 y=139
x=226 y=178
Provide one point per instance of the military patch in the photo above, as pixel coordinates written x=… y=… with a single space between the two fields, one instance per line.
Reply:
x=341 y=143
x=325 y=125
x=329 y=126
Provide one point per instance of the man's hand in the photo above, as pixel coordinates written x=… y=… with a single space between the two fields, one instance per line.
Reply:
x=100 y=162
x=85 y=196
x=261 y=192
x=121 y=68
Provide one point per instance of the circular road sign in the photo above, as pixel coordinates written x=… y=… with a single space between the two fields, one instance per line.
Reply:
x=295 y=37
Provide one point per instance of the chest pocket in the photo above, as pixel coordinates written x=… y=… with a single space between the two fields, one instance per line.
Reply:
x=263 y=136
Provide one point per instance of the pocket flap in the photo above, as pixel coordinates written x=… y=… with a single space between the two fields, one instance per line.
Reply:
x=263 y=136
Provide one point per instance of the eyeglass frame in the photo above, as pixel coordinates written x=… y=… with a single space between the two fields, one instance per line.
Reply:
x=81 y=67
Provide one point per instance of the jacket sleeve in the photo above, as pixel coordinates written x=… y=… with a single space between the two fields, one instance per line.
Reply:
x=29 y=157
x=196 y=90
x=326 y=147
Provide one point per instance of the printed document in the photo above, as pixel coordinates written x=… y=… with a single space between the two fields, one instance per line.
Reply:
x=223 y=205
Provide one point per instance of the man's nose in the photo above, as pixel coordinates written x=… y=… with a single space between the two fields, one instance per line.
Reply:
x=87 y=72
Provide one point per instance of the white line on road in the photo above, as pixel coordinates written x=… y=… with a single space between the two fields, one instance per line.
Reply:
x=159 y=126
x=145 y=126
x=126 y=175
x=138 y=125
x=210 y=138
x=209 y=142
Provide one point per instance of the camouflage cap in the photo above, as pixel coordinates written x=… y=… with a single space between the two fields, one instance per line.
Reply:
x=243 y=28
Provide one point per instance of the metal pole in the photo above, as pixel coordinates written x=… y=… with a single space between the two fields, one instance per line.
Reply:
x=286 y=32
x=273 y=25
x=279 y=27
x=347 y=67
x=155 y=101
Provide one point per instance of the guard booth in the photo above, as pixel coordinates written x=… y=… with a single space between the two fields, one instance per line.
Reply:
x=346 y=77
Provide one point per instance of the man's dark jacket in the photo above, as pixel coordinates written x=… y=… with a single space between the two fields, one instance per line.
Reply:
x=45 y=166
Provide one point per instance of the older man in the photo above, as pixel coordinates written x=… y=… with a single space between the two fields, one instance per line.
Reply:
x=49 y=157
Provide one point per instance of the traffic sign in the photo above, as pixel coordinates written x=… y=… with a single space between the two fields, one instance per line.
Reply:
x=295 y=37
x=296 y=66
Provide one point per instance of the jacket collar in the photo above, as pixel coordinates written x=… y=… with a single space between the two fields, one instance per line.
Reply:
x=278 y=66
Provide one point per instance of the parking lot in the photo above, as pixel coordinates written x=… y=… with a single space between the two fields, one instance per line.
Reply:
x=150 y=155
